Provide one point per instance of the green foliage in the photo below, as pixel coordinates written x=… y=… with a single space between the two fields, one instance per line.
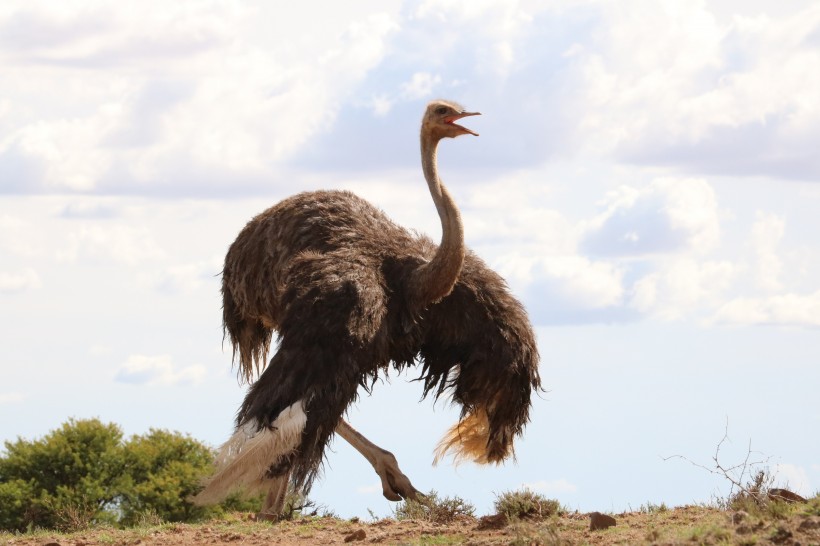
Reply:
x=70 y=477
x=812 y=507
x=709 y=534
x=526 y=504
x=15 y=502
x=652 y=508
x=84 y=473
x=162 y=470
x=433 y=509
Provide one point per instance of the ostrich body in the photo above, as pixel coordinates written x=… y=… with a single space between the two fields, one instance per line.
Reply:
x=351 y=293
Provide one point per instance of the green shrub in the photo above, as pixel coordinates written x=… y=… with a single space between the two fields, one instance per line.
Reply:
x=15 y=502
x=433 y=509
x=526 y=504
x=84 y=474
x=162 y=470
x=73 y=475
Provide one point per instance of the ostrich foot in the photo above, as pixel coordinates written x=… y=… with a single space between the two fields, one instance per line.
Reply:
x=274 y=503
x=395 y=485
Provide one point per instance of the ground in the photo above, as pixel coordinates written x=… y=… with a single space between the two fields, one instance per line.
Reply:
x=654 y=525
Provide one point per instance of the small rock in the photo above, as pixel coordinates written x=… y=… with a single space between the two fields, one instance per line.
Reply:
x=785 y=495
x=52 y=544
x=356 y=535
x=598 y=521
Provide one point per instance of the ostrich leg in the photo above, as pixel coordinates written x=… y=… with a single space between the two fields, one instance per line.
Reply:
x=274 y=502
x=395 y=485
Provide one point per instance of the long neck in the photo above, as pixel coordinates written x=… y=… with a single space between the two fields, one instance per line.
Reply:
x=435 y=279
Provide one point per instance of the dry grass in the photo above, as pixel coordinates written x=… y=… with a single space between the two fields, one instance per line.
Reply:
x=434 y=509
x=526 y=504
x=773 y=523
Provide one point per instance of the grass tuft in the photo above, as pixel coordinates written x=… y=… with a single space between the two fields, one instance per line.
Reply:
x=652 y=508
x=434 y=509
x=526 y=504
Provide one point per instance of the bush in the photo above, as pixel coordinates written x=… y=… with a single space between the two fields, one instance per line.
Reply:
x=526 y=504
x=431 y=508
x=162 y=470
x=83 y=474
x=15 y=502
x=72 y=476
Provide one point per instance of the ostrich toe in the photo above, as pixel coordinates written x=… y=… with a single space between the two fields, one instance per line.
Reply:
x=395 y=485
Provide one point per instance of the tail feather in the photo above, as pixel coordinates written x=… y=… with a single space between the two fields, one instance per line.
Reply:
x=467 y=440
x=243 y=461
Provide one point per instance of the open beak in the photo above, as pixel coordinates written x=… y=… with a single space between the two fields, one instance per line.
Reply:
x=452 y=121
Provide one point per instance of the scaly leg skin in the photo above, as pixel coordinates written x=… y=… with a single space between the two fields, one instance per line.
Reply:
x=274 y=503
x=395 y=485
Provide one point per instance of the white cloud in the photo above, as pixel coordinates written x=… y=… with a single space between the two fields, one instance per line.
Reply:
x=381 y=105
x=369 y=489
x=591 y=284
x=668 y=215
x=118 y=243
x=89 y=33
x=99 y=349
x=681 y=286
x=785 y=309
x=553 y=487
x=15 y=236
x=670 y=83
x=68 y=148
x=26 y=279
x=564 y=288
x=497 y=26
x=157 y=370
x=420 y=86
x=512 y=209
x=150 y=97
x=11 y=397
x=767 y=232
x=187 y=277
x=793 y=477
x=94 y=209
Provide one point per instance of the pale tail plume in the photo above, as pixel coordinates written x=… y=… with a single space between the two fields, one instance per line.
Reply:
x=244 y=459
x=466 y=440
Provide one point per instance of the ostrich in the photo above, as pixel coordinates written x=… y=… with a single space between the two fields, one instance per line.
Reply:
x=350 y=293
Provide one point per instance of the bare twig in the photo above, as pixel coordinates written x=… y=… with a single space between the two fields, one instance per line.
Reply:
x=757 y=480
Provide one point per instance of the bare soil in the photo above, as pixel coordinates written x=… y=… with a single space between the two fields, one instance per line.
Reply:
x=684 y=525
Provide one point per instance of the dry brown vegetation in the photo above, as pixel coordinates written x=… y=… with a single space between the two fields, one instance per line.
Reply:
x=773 y=522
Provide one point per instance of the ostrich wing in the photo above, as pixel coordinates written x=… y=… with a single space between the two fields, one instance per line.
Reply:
x=333 y=309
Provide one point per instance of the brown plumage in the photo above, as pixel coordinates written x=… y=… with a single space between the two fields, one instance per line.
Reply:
x=350 y=293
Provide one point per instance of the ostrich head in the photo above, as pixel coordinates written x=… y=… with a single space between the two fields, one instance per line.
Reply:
x=440 y=120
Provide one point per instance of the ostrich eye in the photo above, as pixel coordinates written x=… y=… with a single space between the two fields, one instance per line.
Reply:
x=441 y=110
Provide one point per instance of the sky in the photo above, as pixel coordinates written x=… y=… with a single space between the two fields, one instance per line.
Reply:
x=647 y=180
